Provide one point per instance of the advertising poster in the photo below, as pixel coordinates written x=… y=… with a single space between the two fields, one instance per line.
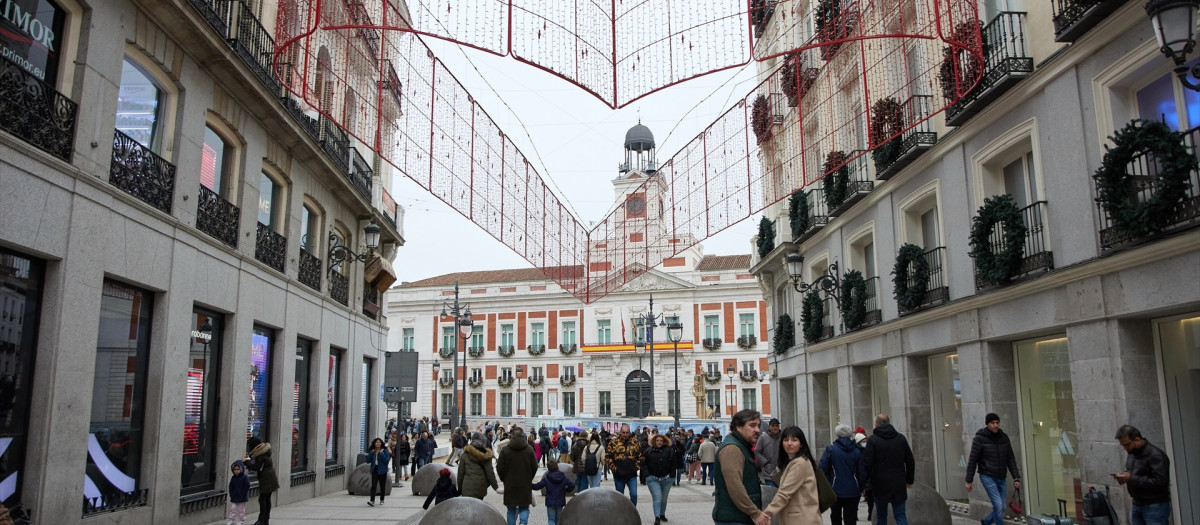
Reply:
x=31 y=36
x=259 y=359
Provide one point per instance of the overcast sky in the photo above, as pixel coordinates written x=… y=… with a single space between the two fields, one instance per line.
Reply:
x=573 y=139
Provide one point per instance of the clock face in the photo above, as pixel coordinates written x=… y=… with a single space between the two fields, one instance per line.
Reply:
x=635 y=206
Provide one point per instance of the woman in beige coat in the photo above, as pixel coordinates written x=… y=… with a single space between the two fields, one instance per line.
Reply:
x=796 y=502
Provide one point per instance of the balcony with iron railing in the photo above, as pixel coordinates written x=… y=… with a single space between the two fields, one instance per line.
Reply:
x=858 y=183
x=141 y=173
x=712 y=377
x=874 y=315
x=34 y=112
x=893 y=156
x=339 y=288
x=446 y=381
x=711 y=343
x=536 y=349
x=360 y=173
x=1006 y=62
x=217 y=217
x=505 y=381
x=390 y=210
x=748 y=376
x=335 y=142
x=760 y=14
x=370 y=301
x=475 y=381
x=1037 y=259
x=818 y=215
x=309 y=272
x=826 y=319
x=747 y=342
x=1146 y=185
x=251 y=41
x=1073 y=18
x=270 y=248
x=475 y=351
x=936 y=289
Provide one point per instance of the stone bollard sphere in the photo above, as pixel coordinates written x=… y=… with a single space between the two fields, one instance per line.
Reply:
x=359 y=482
x=601 y=503
x=566 y=470
x=463 y=510
x=426 y=477
x=926 y=503
x=768 y=494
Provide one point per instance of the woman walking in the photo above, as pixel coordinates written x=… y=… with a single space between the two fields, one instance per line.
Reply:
x=659 y=460
x=796 y=502
x=693 y=459
x=475 y=473
x=401 y=456
x=378 y=458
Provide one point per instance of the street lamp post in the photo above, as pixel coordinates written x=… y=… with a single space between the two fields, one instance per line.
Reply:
x=639 y=349
x=437 y=369
x=675 y=334
x=730 y=398
x=648 y=321
x=520 y=372
x=462 y=321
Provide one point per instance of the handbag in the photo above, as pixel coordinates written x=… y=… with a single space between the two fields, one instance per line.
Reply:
x=1015 y=503
x=825 y=494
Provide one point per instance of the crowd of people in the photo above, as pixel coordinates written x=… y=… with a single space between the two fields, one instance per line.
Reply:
x=878 y=467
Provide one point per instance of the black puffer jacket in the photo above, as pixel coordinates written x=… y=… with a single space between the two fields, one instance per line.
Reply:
x=993 y=454
x=660 y=461
x=890 y=464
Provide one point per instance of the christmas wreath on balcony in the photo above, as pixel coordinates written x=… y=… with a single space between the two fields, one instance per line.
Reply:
x=537 y=349
x=836 y=181
x=962 y=60
x=854 y=297
x=446 y=352
x=568 y=349
x=910 y=260
x=798 y=213
x=785 y=334
x=796 y=78
x=475 y=381
x=1116 y=186
x=826 y=19
x=566 y=380
x=998 y=267
x=766 y=237
x=506 y=351
x=760 y=119
x=536 y=381
x=505 y=382
x=810 y=317
x=887 y=120
x=475 y=351
x=712 y=378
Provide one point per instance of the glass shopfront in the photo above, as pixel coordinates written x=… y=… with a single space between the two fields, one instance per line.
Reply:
x=332 y=407
x=257 y=421
x=1179 y=346
x=948 y=444
x=200 y=409
x=1050 y=443
x=20 y=311
x=300 y=396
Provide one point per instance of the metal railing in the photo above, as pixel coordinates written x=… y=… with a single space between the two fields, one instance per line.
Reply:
x=303 y=478
x=216 y=12
x=360 y=173
x=840 y=26
x=936 y=290
x=339 y=288
x=334 y=470
x=391 y=82
x=874 y=314
x=912 y=142
x=217 y=217
x=309 y=272
x=858 y=182
x=309 y=124
x=760 y=13
x=1143 y=170
x=1073 y=18
x=747 y=342
x=335 y=142
x=370 y=307
x=115 y=501
x=141 y=173
x=711 y=343
x=1007 y=62
x=1035 y=257
x=202 y=501
x=254 y=44
x=34 y=112
x=390 y=209
x=270 y=247
x=818 y=214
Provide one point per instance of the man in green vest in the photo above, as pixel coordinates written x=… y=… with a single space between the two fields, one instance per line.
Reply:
x=739 y=497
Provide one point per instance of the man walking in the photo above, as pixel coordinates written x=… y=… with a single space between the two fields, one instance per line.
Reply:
x=624 y=457
x=992 y=452
x=458 y=441
x=707 y=454
x=739 y=496
x=766 y=453
x=890 y=470
x=1147 y=477
x=516 y=468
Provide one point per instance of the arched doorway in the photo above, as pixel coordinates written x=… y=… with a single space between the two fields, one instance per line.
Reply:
x=637 y=392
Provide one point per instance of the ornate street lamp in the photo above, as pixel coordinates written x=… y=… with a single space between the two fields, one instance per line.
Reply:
x=462 y=319
x=639 y=350
x=339 y=253
x=675 y=334
x=648 y=322
x=829 y=283
x=729 y=397
x=1174 y=27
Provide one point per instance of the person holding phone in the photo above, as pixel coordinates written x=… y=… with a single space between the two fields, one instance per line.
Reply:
x=1147 y=477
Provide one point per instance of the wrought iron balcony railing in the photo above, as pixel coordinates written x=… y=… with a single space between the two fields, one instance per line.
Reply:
x=390 y=210
x=115 y=501
x=475 y=381
x=1037 y=259
x=216 y=12
x=760 y=13
x=1143 y=169
x=202 y=501
x=310 y=270
x=505 y=381
x=34 y=112
x=506 y=351
x=360 y=173
x=566 y=380
x=475 y=351
x=335 y=142
x=711 y=343
x=747 y=342
x=446 y=352
x=254 y=44
x=936 y=289
x=748 y=375
x=874 y=314
x=858 y=183
x=537 y=349
x=141 y=173
x=217 y=217
x=1073 y=18
x=270 y=247
x=818 y=215
x=370 y=302
x=913 y=142
x=537 y=380
x=712 y=377
x=568 y=349
x=1007 y=62
x=445 y=381
x=309 y=124
x=339 y=288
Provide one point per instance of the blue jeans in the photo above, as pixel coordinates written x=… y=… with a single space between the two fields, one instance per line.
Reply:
x=881 y=513
x=706 y=472
x=770 y=483
x=632 y=483
x=660 y=488
x=594 y=481
x=996 y=489
x=514 y=511
x=581 y=482
x=552 y=515
x=1153 y=514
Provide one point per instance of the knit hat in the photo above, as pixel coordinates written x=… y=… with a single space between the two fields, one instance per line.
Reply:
x=860 y=430
x=991 y=417
x=859 y=436
x=444 y=472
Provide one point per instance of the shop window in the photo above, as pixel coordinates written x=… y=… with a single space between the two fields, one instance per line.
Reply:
x=33 y=37
x=217 y=164
x=333 y=408
x=270 y=203
x=20 y=311
x=140 y=106
x=1049 y=439
x=201 y=408
x=948 y=446
x=364 y=422
x=115 y=434
x=300 y=405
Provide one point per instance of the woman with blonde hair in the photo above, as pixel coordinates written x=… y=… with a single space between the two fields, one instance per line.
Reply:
x=796 y=502
x=659 y=461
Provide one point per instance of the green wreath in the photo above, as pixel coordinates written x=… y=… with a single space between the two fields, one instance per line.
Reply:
x=887 y=121
x=760 y=119
x=766 y=237
x=998 y=267
x=910 y=297
x=959 y=63
x=854 y=297
x=1116 y=186
x=810 y=316
x=798 y=214
x=785 y=334
x=836 y=182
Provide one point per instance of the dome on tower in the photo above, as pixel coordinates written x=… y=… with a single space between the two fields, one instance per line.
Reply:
x=639 y=138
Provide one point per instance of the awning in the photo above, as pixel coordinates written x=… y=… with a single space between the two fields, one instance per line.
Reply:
x=380 y=273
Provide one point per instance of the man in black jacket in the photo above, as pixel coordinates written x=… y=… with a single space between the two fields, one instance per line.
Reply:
x=890 y=470
x=1147 y=477
x=992 y=452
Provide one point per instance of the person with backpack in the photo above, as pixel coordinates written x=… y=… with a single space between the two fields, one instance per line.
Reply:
x=457 y=442
x=581 y=480
x=992 y=452
x=843 y=466
x=557 y=486
x=592 y=458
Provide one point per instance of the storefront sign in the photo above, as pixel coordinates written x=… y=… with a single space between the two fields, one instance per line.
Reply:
x=31 y=35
